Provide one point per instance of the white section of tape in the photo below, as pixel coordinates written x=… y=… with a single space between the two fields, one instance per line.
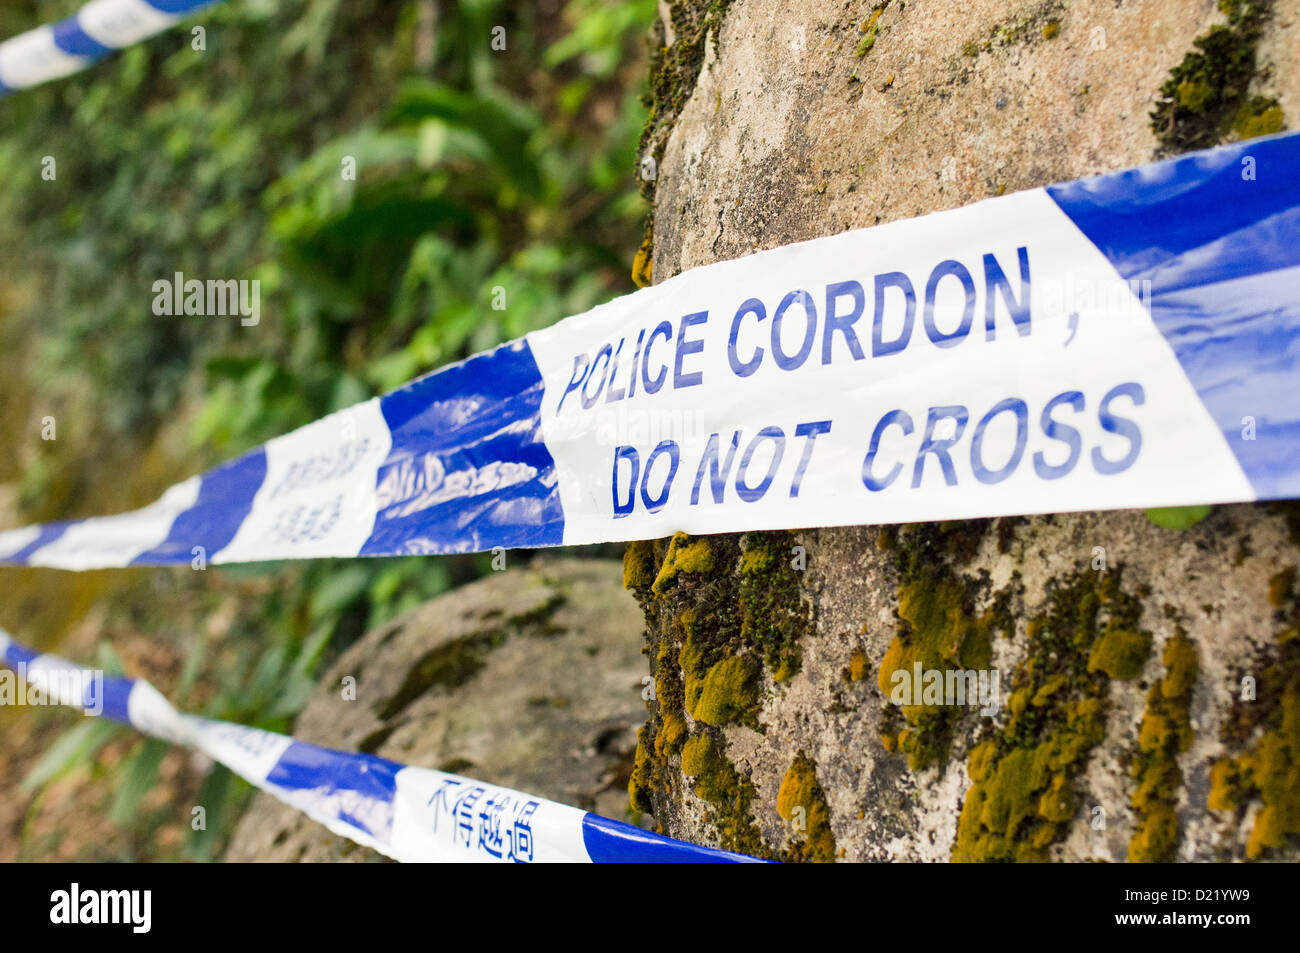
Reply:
x=318 y=498
x=440 y=817
x=249 y=752
x=116 y=540
x=11 y=541
x=153 y=714
x=33 y=58
x=60 y=680
x=1112 y=341
x=119 y=23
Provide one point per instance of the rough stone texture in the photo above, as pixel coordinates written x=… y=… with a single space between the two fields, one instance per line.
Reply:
x=1211 y=582
x=529 y=678
x=777 y=143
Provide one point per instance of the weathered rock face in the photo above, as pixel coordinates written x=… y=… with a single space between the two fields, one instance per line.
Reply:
x=528 y=678
x=1149 y=703
x=1122 y=651
x=803 y=124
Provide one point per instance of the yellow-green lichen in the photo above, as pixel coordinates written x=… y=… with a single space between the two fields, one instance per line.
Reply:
x=1021 y=796
x=870 y=29
x=643 y=261
x=1261 y=116
x=728 y=692
x=1120 y=653
x=730 y=794
x=1001 y=810
x=858 y=665
x=1194 y=94
x=1269 y=772
x=1206 y=97
x=685 y=554
x=801 y=801
x=1224 y=782
x=938 y=631
x=642 y=781
x=638 y=564
x=755 y=560
x=1165 y=732
x=671 y=734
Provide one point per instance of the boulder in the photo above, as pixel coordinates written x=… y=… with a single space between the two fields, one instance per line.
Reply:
x=528 y=678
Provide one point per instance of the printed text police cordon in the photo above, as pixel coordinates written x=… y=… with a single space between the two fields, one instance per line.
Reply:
x=836 y=326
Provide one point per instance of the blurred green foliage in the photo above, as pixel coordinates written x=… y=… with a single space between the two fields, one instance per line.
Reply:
x=482 y=176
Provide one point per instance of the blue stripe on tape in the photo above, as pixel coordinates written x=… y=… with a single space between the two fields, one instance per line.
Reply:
x=468 y=469
x=225 y=498
x=352 y=779
x=176 y=7
x=117 y=698
x=16 y=654
x=70 y=37
x=1220 y=245
x=613 y=842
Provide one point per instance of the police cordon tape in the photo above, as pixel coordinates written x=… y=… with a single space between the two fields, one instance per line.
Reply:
x=96 y=30
x=1129 y=340
x=407 y=813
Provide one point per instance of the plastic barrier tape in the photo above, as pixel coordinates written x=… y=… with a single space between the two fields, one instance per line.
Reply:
x=407 y=813
x=1129 y=340
x=97 y=29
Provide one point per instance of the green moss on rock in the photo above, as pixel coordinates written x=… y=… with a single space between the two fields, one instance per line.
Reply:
x=674 y=71
x=801 y=797
x=773 y=612
x=719 y=611
x=1120 y=653
x=1029 y=24
x=729 y=692
x=938 y=630
x=1206 y=96
x=1021 y=798
x=1268 y=772
x=731 y=795
x=1165 y=732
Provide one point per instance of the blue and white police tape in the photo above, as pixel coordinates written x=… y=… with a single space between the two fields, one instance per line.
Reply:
x=1130 y=340
x=407 y=813
x=97 y=29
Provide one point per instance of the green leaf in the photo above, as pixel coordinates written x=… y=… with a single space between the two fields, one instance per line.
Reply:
x=298 y=683
x=213 y=797
x=338 y=590
x=138 y=775
x=74 y=748
x=503 y=124
x=1178 y=517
